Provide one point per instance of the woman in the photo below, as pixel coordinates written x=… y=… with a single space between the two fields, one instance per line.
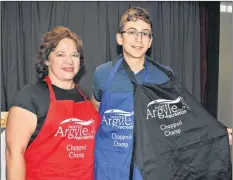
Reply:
x=51 y=126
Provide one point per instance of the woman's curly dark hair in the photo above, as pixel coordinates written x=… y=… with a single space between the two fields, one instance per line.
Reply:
x=49 y=42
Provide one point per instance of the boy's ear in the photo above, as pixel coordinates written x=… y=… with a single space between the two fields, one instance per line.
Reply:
x=150 y=42
x=119 y=38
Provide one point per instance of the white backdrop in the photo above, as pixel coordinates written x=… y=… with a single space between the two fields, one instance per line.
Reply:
x=225 y=70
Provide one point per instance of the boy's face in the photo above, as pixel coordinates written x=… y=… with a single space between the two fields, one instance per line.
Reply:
x=133 y=43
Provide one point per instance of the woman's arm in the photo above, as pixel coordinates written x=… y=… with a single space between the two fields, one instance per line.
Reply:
x=21 y=124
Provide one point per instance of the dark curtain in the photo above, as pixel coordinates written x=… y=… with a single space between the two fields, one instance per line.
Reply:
x=210 y=34
x=203 y=21
x=176 y=38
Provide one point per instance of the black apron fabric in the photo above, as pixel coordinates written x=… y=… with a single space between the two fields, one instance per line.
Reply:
x=175 y=138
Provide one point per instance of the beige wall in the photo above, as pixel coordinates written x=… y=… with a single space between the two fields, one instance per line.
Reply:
x=225 y=98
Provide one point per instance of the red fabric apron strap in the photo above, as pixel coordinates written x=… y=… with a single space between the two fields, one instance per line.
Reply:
x=52 y=95
x=51 y=92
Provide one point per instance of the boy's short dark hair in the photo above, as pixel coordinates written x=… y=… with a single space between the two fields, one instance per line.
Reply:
x=133 y=14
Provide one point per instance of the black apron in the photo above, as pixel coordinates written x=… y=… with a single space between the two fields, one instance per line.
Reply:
x=175 y=138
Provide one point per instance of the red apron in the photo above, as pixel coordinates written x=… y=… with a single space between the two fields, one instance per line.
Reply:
x=64 y=147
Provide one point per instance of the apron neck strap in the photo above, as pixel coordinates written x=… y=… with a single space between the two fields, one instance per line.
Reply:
x=85 y=97
x=167 y=72
x=133 y=79
x=131 y=74
x=51 y=92
x=112 y=74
